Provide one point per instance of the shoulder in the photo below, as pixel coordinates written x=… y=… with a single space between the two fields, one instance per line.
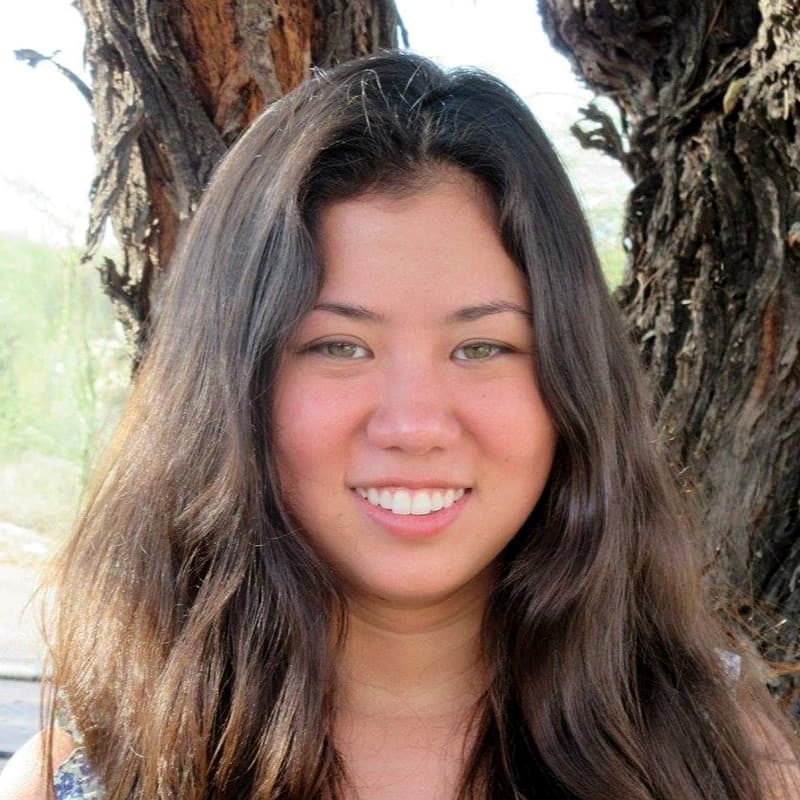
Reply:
x=25 y=777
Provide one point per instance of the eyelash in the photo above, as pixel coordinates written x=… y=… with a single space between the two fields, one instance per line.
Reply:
x=322 y=348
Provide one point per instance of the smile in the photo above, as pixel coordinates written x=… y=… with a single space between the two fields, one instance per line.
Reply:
x=407 y=501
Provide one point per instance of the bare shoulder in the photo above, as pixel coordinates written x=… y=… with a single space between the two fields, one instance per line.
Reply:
x=25 y=776
x=777 y=755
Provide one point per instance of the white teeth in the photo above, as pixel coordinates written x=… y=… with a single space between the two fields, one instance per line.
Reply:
x=405 y=501
x=421 y=503
x=401 y=502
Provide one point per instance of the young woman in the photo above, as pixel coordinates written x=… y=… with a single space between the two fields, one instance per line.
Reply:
x=385 y=517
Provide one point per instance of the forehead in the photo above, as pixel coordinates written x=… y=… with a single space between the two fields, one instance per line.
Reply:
x=434 y=248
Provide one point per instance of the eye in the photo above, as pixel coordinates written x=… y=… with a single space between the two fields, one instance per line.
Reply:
x=337 y=349
x=479 y=351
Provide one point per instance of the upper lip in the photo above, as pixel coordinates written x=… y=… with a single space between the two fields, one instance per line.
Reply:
x=410 y=483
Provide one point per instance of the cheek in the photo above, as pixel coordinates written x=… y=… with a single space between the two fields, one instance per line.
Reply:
x=308 y=452
x=517 y=440
x=512 y=423
x=312 y=421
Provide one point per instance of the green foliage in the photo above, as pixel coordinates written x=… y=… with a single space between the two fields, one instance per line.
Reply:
x=63 y=378
x=603 y=187
x=606 y=222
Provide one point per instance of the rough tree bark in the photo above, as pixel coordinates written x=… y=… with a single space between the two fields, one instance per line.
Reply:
x=708 y=93
x=173 y=86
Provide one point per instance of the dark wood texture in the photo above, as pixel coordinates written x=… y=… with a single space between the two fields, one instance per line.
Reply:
x=173 y=85
x=708 y=95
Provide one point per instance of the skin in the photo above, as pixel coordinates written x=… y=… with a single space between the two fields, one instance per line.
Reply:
x=410 y=396
x=25 y=776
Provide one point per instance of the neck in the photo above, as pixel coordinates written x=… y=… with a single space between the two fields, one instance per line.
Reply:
x=424 y=661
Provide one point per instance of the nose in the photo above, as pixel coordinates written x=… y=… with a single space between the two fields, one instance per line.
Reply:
x=415 y=411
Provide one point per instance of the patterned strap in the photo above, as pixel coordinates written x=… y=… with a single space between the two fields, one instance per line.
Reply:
x=74 y=778
x=66 y=722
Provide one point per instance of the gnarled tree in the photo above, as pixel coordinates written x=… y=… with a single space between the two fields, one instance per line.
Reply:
x=708 y=93
x=173 y=86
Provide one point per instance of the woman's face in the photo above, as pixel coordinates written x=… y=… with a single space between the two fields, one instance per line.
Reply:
x=412 y=442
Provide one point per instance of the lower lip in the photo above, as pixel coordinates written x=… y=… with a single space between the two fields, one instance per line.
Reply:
x=413 y=526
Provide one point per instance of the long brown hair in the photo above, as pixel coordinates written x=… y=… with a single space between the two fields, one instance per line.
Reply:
x=197 y=631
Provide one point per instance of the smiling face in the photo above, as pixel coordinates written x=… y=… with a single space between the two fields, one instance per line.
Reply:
x=411 y=439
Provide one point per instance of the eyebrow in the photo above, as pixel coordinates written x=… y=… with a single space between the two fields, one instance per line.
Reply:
x=466 y=314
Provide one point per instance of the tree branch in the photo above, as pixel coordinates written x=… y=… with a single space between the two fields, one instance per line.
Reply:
x=33 y=58
x=604 y=136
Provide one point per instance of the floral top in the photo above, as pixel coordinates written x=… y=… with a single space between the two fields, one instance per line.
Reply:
x=74 y=778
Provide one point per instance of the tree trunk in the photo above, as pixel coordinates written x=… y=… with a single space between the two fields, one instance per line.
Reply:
x=708 y=93
x=174 y=85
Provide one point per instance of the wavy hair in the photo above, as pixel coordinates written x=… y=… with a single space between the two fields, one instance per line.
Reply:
x=197 y=631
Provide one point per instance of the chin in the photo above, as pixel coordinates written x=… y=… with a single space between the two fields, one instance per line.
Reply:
x=416 y=593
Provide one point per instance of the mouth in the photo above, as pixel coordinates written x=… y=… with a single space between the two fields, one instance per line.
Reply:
x=413 y=515
x=404 y=502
